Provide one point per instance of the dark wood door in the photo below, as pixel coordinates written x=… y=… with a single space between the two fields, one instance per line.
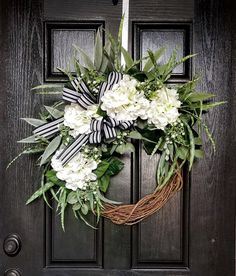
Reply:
x=194 y=233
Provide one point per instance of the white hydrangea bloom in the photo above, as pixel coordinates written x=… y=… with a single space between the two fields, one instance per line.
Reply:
x=77 y=173
x=79 y=119
x=124 y=102
x=164 y=108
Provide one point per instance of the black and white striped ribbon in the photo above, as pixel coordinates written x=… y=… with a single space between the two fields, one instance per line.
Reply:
x=78 y=92
x=48 y=129
x=102 y=129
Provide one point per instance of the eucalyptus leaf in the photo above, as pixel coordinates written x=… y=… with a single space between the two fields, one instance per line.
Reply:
x=50 y=149
x=76 y=206
x=84 y=209
x=48 y=87
x=34 y=122
x=98 y=51
x=72 y=198
x=125 y=148
x=30 y=139
x=54 y=111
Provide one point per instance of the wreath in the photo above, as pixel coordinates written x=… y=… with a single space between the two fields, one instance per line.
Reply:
x=106 y=107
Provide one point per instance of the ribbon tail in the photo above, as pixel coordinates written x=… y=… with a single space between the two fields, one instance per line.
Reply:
x=69 y=152
x=70 y=95
x=48 y=129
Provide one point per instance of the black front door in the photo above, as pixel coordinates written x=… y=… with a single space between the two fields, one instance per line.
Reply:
x=194 y=233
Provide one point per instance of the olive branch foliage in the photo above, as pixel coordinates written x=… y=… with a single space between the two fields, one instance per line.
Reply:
x=177 y=145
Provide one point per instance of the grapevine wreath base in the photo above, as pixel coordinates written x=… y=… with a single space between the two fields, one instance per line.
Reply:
x=130 y=214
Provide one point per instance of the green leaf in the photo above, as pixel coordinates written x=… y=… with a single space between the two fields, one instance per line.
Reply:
x=157 y=146
x=105 y=59
x=101 y=168
x=182 y=60
x=198 y=141
x=195 y=97
x=48 y=87
x=91 y=202
x=104 y=182
x=199 y=153
x=40 y=192
x=63 y=204
x=209 y=135
x=135 y=135
x=72 y=198
x=66 y=72
x=30 y=139
x=170 y=173
x=127 y=57
x=115 y=166
x=85 y=58
x=84 y=209
x=52 y=177
x=98 y=51
x=50 y=149
x=54 y=194
x=182 y=152
x=76 y=206
x=211 y=105
x=192 y=144
x=34 y=122
x=160 y=167
x=106 y=200
x=85 y=221
x=127 y=147
x=54 y=112
x=149 y=64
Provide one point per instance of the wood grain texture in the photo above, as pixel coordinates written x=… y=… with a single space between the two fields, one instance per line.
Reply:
x=213 y=179
x=164 y=228
x=84 y=10
x=21 y=68
x=161 y=10
x=159 y=246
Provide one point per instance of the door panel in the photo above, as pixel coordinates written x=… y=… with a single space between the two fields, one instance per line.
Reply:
x=194 y=232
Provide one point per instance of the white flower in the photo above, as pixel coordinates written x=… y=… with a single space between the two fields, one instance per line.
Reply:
x=124 y=102
x=77 y=173
x=164 y=108
x=79 y=119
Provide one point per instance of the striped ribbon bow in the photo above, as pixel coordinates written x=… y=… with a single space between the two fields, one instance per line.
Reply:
x=101 y=129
